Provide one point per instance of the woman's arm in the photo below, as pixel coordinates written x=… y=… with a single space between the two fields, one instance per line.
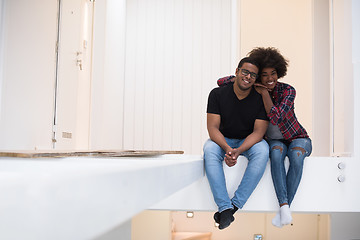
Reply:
x=278 y=113
x=264 y=92
x=225 y=80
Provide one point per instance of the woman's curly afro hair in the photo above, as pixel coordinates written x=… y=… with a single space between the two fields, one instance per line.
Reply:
x=270 y=58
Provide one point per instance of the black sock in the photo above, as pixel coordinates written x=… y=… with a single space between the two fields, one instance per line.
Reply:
x=226 y=218
x=217 y=214
x=217 y=217
x=235 y=209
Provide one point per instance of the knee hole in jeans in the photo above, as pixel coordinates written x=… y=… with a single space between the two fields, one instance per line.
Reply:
x=300 y=149
x=277 y=147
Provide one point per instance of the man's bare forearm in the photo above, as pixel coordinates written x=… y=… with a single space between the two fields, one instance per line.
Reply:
x=218 y=138
x=250 y=141
x=255 y=137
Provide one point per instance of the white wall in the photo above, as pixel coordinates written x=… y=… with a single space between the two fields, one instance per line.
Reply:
x=345 y=226
x=108 y=75
x=1 y=47
x=97 y=88
x=343 y=78
x=321 y=75
x=356 y=73
x=175 y=52
x=28 y=74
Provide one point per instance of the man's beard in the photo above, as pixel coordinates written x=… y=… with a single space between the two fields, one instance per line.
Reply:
x=243 y=88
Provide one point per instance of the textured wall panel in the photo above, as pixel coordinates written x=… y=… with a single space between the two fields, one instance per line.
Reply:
x=175 y=51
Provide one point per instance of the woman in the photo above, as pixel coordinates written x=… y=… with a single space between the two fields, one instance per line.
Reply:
x=285 y=135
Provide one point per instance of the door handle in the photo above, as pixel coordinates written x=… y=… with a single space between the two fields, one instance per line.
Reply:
x=79 y=63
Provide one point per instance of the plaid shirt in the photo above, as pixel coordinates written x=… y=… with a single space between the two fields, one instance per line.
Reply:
x=282 y=113
x=224 y=80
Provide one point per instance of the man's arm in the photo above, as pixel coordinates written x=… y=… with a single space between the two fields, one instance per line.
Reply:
x=213 y=126
x=260 y=127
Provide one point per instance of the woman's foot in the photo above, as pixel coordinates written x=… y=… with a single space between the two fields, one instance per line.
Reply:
x=285 y=215
x=276 y=221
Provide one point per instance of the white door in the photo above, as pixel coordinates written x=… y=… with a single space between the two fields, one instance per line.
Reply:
x=28 y=36
x=72 y=107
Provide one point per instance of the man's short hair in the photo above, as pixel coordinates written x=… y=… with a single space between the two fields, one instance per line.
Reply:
x=249 y=60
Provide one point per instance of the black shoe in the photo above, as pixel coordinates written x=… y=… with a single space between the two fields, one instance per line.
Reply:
x=226 y=218
x=217 y=214
x=235 y=209
x=217 y=217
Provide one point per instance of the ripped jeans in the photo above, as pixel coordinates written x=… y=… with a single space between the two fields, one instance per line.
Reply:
x=286 y=185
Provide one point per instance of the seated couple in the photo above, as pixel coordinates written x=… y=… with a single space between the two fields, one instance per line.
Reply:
x=240 y=112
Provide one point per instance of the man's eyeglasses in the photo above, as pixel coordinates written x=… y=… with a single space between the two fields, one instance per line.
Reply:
x=245 y=72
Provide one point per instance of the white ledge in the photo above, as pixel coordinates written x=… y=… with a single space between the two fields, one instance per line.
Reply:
x=319 y=190
x=82 y=198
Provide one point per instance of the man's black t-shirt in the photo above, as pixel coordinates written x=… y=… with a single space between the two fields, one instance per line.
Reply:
x=237 y=116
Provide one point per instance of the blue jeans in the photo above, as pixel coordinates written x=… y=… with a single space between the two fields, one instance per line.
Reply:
x=257 y=155
x=286 y=185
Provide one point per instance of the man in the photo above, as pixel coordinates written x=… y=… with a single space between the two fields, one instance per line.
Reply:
x=236 y=122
